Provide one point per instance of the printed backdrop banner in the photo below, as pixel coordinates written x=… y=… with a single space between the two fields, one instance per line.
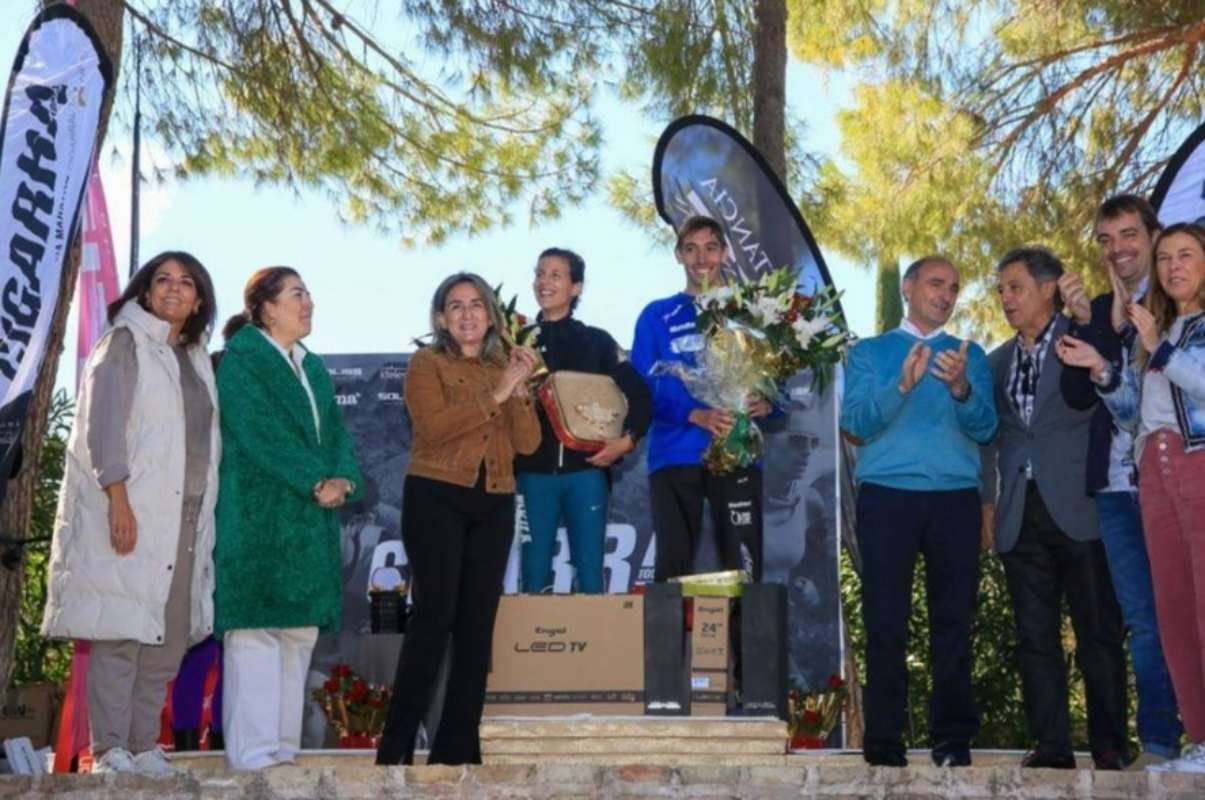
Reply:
x=1179 y=195
x=59 y=80
x=703 y=166
x=799 y=513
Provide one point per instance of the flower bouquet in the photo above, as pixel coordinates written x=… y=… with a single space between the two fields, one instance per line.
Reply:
x=814 y=715
x=518 y=330
x=353 y=706
x=758 y=334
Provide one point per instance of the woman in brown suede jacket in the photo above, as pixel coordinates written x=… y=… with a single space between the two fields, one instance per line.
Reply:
x=471 y=412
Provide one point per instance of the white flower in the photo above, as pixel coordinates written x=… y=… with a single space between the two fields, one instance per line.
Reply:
x=807 y=329
x=768 y=308
x=716 y=296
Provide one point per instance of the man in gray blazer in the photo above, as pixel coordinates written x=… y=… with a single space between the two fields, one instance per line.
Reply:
x=1044 y=524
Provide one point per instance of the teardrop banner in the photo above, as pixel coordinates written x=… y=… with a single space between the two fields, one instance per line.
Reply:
x=1179 y=195
x=51 y=111
x=703 y=166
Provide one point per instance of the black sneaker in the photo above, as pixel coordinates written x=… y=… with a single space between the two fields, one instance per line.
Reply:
x=1045 y=760
x=951 y=754
x=1108 y=760
x=881 y=757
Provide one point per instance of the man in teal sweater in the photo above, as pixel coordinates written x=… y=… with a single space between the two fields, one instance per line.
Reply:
x=919 y=401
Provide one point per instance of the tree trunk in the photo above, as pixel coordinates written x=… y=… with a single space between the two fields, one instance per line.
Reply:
x=769 y=136
x=107 y=17
x=770 y=83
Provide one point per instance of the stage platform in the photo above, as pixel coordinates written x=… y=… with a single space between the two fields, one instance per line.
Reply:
x=584 y=757
x=814 y=776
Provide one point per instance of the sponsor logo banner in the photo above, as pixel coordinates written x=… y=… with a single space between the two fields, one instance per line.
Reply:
x=51 y=110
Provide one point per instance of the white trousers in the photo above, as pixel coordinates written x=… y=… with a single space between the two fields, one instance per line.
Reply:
x=263 y=694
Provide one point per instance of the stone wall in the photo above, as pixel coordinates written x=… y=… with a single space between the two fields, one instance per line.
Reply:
x=549 y=781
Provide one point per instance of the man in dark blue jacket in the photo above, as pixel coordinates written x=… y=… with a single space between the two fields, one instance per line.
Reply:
x=683 y=426
x=1125 y=229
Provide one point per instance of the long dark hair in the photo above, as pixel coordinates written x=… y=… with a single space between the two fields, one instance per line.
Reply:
x=200 y=322
x=263 y=285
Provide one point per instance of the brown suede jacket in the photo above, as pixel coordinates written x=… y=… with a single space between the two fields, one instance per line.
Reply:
x=457 y=424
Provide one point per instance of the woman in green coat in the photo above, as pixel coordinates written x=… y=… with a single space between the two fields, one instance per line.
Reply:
x=287 y=464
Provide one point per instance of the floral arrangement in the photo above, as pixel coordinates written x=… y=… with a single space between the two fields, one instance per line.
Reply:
x=758 y=334
x=353 y=706
x=518 y=330
x=799 y=331
x=814 y=715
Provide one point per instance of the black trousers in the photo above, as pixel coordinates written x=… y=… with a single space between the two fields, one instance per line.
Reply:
x=894 y=527
x=677 y=494
x=1045 y=566
x=457 y=541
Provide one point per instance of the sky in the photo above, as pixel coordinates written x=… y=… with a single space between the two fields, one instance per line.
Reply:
x=372 y=294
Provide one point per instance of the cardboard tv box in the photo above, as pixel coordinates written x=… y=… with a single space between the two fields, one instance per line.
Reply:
x=567 y=654
x=711 y=678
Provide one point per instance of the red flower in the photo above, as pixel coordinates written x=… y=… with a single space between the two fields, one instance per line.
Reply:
x=359 y=690
x=331 y=686
x=340 y=671
x=835 y=682
x=521 y=319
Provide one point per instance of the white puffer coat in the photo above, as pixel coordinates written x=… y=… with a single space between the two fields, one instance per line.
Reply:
x=94 y=593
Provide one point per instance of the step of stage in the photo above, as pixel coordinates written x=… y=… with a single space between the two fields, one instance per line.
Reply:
x=214 y=762
x=659 y=741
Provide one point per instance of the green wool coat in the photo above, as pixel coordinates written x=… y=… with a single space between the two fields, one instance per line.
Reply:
x=277 y=560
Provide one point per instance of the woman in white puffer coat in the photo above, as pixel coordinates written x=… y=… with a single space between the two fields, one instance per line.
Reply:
x=131 y=565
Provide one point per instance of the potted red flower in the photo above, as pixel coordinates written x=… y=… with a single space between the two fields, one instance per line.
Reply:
x=353 y=706
x=814 y=715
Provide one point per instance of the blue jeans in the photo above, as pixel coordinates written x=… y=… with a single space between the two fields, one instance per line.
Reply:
x=1159 y=727
x=580 y=498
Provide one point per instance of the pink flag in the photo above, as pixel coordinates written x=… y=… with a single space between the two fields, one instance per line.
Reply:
x=98 y=272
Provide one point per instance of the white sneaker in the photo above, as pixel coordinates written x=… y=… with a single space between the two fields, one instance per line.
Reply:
x=1193 y=760
x=153 y=762
x=115 y=759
